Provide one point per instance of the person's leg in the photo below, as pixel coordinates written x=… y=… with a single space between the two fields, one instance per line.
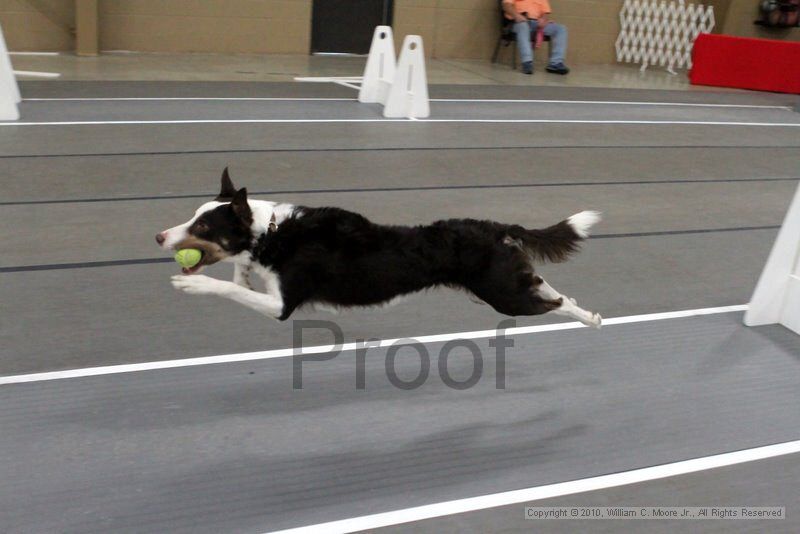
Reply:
x=558 y=43
x=523 y=31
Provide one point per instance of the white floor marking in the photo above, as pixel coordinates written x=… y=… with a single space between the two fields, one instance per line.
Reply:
x=350 y=81
x=349 y=84
x=328 y=79
x=332 y=121
x=191 y=98
x=550 y=491
x=283 y=353
x=34 y=54
x=606 y=103
x=37 y=74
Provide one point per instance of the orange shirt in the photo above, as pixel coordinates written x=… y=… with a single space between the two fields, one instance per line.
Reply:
x=533 y=8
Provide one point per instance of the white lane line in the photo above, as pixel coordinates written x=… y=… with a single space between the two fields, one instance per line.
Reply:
x=37 y=74
x=191 y=98
x=400 y=121
x=549 y=491
x=328 y=79
x=443 y=100
x=350 y=84
x=34 y=54
x=607 y=103
x=283 y=353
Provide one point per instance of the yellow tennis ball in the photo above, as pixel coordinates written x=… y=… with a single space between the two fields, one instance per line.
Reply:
x=188 y=257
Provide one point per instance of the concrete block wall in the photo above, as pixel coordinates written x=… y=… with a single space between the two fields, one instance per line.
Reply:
x=451 y=28
x=220 y=26
x=739 y=21
x=469 y=28
x=38 y=25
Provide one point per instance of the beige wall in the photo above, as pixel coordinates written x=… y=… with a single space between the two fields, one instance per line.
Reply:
x=739 y=21
x=223 y=26
x=38 y=25
x=450 y=28
x=469 y=28
x=593 y=28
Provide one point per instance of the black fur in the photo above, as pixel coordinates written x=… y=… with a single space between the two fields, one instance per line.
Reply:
x=334 y=256
x=337 y=257
x=228 y=225
x=227 y=190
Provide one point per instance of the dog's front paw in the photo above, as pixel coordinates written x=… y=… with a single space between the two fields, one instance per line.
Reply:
x=199 y=284
x=596 y=321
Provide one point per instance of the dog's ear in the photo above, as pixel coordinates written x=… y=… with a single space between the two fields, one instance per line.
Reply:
x=240 y=206
x=226 y=190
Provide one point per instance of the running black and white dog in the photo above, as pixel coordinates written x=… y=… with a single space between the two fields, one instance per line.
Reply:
x=332 y=258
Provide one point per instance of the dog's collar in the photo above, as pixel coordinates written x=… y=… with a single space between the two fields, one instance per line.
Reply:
x=260 y=241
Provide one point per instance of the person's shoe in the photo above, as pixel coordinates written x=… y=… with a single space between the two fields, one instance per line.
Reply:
x=557 y=68
x=527 y=67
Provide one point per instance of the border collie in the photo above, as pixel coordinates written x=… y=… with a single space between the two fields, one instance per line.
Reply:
x=332 y=258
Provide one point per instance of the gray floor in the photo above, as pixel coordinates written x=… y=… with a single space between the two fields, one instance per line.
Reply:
x=690 y=215
x=236 y=445
x=767 y=482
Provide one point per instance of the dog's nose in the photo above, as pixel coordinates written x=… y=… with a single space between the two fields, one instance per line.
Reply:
x=160 y=238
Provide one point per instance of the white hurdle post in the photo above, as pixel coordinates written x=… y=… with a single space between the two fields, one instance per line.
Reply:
x=380 y=69
x=408 y=96
x=777 y=295
x=9 y=91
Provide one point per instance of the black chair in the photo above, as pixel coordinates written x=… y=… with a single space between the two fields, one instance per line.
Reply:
x=507 y=37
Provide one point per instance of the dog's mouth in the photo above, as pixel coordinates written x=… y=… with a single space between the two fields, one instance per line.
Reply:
x=197 y=268
x=210 y=253
x=206 y=258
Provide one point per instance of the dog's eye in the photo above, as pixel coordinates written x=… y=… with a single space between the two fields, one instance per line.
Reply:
x=200 y=226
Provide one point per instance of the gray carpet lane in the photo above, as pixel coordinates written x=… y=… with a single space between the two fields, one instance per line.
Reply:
x=149 y=110
x=90 y=232
x=172 y=89
x=41 y=140
x=234 y=447
x=155 y=110
x=199 y=89
x=771 y=482
x=100 y=316
x=220 y=449
x=696 y=95
x=148 y=175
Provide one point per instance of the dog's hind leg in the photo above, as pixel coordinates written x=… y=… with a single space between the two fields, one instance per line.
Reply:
x=569 y=306
x=198 y=284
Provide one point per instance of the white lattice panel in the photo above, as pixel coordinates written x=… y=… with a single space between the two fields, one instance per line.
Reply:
x=660 y=33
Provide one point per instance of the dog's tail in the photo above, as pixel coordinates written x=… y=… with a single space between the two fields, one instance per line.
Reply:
x=557 y=242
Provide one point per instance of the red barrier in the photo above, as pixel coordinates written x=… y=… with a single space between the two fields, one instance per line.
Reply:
x=760 y=64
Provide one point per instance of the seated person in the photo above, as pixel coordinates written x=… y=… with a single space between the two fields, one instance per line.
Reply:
x=530 y=17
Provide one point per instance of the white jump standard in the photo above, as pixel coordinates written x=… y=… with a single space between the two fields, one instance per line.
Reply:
x=9 y=91
x=777 y=295
x=401 y=86
x=381 y=66
x=408 y=96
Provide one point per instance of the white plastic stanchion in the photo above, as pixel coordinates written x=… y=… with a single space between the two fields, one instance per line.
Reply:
x=400 y=85
x=380 y=69
x=9 y=91
x=777 y=295
x=408 y=96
